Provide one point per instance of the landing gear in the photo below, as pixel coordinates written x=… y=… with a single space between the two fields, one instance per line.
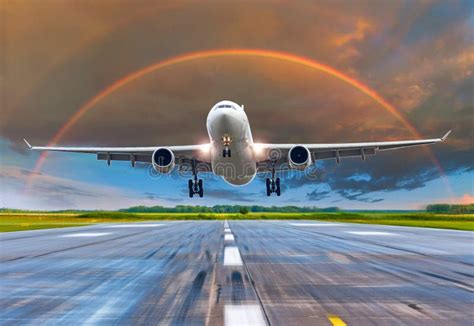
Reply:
x=273 y=184
x=195 y=187
x=226 y=152
x=195 y=184
x=226 y=140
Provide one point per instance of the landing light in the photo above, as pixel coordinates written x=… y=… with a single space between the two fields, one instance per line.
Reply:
x=205 y=148
x=258 y=148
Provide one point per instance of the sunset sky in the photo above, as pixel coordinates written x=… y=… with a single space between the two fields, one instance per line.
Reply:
x=61 y=57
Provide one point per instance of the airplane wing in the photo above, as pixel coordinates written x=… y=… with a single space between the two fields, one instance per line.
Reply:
x=184 y=155
x=279 y=152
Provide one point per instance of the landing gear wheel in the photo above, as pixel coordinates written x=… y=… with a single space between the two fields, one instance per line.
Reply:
x=273 y=184
x=195 y=185
x=278 y=189
x=190 y=187
x=200 y=188
x=226 y=152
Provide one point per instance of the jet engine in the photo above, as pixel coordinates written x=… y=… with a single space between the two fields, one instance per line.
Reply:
x=163 y=160
x=299 y=157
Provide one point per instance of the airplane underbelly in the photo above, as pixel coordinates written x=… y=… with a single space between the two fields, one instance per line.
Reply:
x=240 y=168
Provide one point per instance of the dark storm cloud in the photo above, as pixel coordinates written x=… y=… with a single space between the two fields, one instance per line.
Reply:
x=388 y=171
x=357 y=195
x=318 y=194
x=418 y=55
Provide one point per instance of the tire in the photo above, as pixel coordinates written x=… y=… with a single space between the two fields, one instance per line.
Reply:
x=190 y=188
x=226 y=152
x=268 y=187
x=201 y=189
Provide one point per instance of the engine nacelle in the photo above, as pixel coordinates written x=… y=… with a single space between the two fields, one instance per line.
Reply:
x=299 y=157
x=163 y=160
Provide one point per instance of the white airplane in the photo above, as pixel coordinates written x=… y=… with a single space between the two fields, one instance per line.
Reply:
x=232 y=154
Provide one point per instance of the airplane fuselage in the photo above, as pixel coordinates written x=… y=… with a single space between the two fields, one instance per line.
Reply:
x=229 y=130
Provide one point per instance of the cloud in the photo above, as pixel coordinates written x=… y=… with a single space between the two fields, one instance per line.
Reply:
x=51 y=192
x=465 y=199
x=417 y=55
x=318 y=194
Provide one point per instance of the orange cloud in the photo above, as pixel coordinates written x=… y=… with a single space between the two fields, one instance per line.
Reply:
x=463 y=200
x=362 y=27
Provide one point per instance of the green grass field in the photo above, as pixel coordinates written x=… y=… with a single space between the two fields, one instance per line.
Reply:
x=34 y=221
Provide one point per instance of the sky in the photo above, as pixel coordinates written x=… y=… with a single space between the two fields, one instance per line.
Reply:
x=58 y=57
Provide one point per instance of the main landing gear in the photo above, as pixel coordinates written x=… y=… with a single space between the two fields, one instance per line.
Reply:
x=195 y=184
x=273 y=184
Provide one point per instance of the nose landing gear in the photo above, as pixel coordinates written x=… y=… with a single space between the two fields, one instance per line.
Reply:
x=273 y=184
x=226 y=140
x=195 y=184
x=226 y=152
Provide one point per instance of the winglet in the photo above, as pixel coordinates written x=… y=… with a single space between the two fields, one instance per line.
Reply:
x=27 y=143
x=445 y=136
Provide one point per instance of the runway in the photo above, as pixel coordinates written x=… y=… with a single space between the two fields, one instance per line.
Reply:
x=240 y=273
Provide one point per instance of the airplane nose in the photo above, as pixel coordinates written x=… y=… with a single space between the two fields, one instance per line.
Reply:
x=225 y=118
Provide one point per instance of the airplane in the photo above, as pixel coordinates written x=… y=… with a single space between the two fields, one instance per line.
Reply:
x=232 y=154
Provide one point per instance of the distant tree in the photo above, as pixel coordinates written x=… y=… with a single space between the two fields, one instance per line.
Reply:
x=243 y=210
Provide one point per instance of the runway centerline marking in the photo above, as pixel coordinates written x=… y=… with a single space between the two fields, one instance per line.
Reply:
x=133 y=225
x=227 y=230
x=232 y=257
x=85 y=235
x=315 y=224
x=229 y=237
x=238 y=315
x=336 y=321
x=370 y=233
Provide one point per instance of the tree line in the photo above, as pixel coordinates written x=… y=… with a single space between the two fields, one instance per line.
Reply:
x=226 y=209
x=450 y=209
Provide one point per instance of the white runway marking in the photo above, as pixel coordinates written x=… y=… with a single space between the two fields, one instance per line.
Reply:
x=232 y=256
x=315 y=224
x=243 y=315
x=227 y=230
x=133 y=225
x=81 y=235
x=370 y=233
x=229 y=237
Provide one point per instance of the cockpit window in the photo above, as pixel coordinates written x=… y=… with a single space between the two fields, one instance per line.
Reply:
x=226 y=106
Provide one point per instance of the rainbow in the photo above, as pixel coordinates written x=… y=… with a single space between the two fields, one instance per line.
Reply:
x=192 y=56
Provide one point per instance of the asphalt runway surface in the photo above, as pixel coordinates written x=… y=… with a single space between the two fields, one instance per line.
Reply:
x=240 y=273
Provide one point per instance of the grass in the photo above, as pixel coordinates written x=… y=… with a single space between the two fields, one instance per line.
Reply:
x=33 y=221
